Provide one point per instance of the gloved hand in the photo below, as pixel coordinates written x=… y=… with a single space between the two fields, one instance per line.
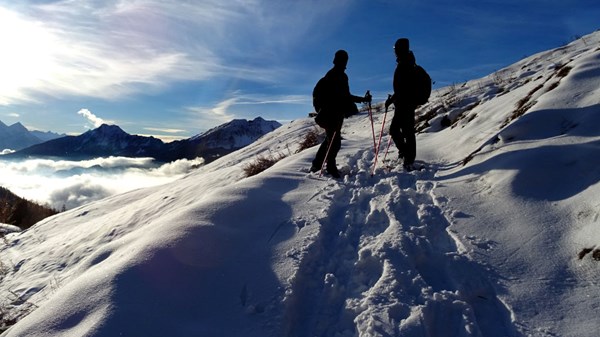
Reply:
x=389 y=101
x=368 y=97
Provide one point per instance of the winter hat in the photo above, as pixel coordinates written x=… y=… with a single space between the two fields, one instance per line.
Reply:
x=340 y=58
x=402 y=45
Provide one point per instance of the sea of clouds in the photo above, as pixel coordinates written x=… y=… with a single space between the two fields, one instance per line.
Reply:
x=66 y=184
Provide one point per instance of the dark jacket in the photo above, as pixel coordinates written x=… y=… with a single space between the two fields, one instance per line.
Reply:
x=339 y=102
x=403 y=80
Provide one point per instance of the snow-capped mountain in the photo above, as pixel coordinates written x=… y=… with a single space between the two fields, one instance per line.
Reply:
x=235 y=134
x=111 y=140
x=17 y=137
x=497 y=236
x=222 y=139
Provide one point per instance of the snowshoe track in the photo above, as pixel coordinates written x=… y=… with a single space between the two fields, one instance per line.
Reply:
x=391 y=270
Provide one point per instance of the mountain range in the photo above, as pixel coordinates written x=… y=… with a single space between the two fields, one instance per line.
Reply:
x=16 y=137
x=111 y=140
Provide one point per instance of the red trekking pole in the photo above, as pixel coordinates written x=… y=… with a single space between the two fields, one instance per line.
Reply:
x=379 y=141
x=387 y=149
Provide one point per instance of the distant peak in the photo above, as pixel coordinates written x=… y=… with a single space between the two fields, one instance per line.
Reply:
x=107 y=126
x=19 y=126
x=108 y=129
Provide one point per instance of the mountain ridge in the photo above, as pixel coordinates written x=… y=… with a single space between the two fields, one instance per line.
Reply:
x=111 y=140
x=17 y=137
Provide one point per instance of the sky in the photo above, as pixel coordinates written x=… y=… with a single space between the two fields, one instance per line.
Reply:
x=174 y=69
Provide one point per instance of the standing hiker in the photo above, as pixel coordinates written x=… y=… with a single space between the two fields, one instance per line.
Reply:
x=402 y=128
x=333 y=101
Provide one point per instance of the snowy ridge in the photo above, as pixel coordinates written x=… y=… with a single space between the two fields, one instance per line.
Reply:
x=495 y=237
x=236 y=133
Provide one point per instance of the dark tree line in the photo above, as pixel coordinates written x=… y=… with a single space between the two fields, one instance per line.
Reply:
x=20 y=212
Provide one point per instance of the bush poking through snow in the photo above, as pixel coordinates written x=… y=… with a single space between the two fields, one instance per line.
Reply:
x=261 y=163
x=522 y=106
x=596 y=255
x=313 y=137
x=10 y=315
x=586 y=251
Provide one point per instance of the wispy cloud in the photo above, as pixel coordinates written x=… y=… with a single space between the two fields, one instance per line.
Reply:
x=12 y=115
x=212 y=115
x=166 y=134
x=93 y=119
x=264 y=100
x=165 y=130
x=112 y=49
x=227 y=109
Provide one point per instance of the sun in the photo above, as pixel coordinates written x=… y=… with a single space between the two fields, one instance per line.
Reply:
x=27 y=55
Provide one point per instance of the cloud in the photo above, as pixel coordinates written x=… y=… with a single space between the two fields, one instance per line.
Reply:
x=226 y=110
x=214 y=115
x=263 y=99
x=95 y=120
x=33 y=166
x=78 y=194
x=114 y=49
x=220 y=110
x=69 y=183
x=165 y=130
x=68 y=48
x=165 y=134
x=178 y=167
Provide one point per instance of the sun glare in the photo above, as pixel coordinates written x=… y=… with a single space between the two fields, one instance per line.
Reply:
x=26 y=58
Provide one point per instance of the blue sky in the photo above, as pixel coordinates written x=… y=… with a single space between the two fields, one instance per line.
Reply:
x=174 y=69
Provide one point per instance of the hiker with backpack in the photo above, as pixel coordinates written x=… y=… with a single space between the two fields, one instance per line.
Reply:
x=333 y=101
x=412 y=87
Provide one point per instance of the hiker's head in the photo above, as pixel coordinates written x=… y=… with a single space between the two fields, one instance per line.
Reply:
x=340 y=59
x=401 y=46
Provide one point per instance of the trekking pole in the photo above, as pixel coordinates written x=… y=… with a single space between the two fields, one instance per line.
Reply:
x=371 y=117
x=387 y=149
x=327 y=153
x=379 y=141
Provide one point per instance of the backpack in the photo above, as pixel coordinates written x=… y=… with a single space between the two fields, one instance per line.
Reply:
x=320 y=94
x=422 y=85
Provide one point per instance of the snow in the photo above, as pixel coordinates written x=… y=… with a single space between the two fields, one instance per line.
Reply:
x=5 y=229
x=485 y=241
x=236 y=133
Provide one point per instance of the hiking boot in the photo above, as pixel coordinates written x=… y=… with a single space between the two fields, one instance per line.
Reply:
x=314 y=169
x=333 y=171
x=408 y=167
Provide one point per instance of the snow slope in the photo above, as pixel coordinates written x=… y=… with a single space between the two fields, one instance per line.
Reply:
x=487 y=240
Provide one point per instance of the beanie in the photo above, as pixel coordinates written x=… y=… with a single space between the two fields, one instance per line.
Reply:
x=402 y=45
x=340 y=58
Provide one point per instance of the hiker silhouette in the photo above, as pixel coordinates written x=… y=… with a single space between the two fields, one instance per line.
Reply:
x=333 y=101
